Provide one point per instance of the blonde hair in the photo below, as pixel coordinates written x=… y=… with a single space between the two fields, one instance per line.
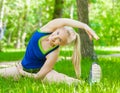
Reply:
x=76 y=57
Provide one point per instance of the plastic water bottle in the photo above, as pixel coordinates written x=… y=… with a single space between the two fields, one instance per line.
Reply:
x=95 y=73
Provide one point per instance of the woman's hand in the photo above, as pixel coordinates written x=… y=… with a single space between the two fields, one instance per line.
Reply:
x=24 y=73
x=20 y=69
x=36 y=76
x=90 y=32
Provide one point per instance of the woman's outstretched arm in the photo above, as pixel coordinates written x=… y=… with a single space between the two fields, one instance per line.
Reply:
x=24 y=73
x=61 y=22
x=47 y=67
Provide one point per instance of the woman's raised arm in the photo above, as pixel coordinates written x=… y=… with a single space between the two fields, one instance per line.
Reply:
x=61 y=22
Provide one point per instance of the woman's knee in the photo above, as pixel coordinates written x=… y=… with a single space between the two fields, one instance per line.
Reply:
x=58 y=77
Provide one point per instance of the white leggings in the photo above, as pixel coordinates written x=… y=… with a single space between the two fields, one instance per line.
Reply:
x=52 y=76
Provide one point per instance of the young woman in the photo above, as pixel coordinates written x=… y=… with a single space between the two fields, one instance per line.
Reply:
x=43 y=50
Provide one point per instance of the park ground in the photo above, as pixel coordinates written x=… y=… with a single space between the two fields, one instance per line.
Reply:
x=109 y=60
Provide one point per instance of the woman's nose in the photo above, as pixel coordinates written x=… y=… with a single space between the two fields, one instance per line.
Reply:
x=53 y=41
x=57 y=41
x=54 y=38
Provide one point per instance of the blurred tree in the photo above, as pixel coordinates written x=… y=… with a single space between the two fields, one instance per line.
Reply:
x=23 y=22
x=105 y=19
x=2 y=2
x=58 y=7
x=23 y=17
x=86 y=43
x=1 y=18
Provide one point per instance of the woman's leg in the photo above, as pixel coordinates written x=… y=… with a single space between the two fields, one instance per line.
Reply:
x=54 y=76
x=10 y=72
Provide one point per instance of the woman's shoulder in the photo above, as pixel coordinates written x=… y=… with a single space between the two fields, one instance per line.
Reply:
x=54 y=53
x=46 y=29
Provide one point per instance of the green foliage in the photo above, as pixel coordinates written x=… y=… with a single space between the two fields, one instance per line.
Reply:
x=25 y=16
x=70 y=9
x=104 y=19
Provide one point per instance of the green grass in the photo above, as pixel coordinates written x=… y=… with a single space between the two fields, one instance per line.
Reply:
x=110 y=82
x=17 y=54
x=103 y=52
x=107 y=50
x=11 y=56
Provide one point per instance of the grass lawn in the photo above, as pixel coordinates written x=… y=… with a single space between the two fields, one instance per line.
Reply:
x=110 y=82
x=15 y=55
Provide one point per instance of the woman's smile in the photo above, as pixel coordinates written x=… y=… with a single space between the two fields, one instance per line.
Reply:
x=54 y=41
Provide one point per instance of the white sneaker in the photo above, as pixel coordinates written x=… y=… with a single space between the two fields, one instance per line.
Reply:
x=95 y=73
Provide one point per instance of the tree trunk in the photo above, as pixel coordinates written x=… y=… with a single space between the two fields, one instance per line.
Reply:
x=23 y=39
x=2 y=2
x=2 y=9
x=72 y=11
x=23 y=22
x=58 y=6
x=18 y=43
x=86 y=43
x=26 y=13
x=9 y=38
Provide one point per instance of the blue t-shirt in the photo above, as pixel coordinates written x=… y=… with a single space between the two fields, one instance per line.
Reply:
x=35 y=56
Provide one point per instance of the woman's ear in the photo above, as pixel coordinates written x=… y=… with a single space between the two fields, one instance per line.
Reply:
x=72 y=34
x=72 y=37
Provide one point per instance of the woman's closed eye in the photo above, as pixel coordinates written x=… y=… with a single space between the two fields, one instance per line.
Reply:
x=60 y=39
x=57 y=33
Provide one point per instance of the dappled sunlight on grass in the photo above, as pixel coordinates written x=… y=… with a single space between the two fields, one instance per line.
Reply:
x=110 y=82
x=8 y=64
x=107 y=51
x=107 y=48
x=13 y=50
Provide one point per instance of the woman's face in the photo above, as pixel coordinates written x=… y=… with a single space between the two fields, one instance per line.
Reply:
x=59 y=37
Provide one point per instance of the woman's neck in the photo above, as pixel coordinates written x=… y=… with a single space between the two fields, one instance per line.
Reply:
x=46 y=44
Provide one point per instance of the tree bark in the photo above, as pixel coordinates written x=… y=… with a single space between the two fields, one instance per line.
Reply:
x=2 y=9
x=86 y=43
x=26 y=13
x=2 y=2
x=58 y=6
x=23 y=22
x=72 y=11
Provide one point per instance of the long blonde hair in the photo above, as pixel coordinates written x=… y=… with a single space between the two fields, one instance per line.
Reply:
x=76 y=57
